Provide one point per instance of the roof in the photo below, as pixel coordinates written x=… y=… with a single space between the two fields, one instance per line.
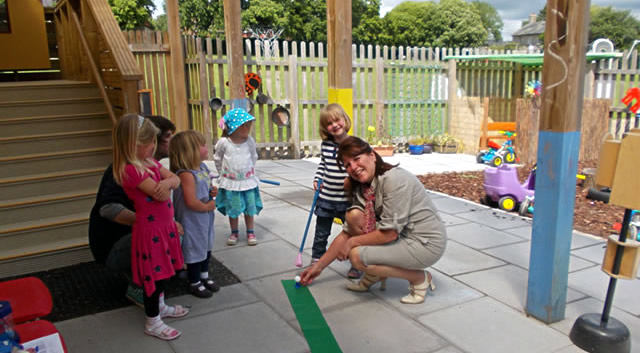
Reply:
x=534 y=28
x=527 y=59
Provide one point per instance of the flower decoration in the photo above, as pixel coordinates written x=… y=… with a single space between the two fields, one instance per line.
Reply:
x=371 y=134
x=534 y=89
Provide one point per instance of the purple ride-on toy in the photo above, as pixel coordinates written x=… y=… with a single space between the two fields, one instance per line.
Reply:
x=502 y=186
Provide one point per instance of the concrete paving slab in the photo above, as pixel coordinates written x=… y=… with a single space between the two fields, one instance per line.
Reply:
x=368 y=327
x=287 y=223
x=458 y=259
x=523 y=232
x=328 y=290
x=592 y=305
x=297 y=195
x=453 y=205
x=449 y=349
x=223 y=231
x=578 y=239
x=264 y=259
x=570 y=349
x=507 y=284
x=227 y=297
x=120 y=330
x=486 y=325
x=450 y=220
x=519 y=254
x=495 y=218
x=593 y=253
x=480 y=236
x=449 y=292
x=249 y=328
x=593 y=282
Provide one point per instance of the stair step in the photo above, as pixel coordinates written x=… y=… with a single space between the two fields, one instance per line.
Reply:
x=55 y=142
x=54 y=123
x=50 y=183
x=45 y=261
x=39 y=90
x=55 y=205
x=18 y=166
x=51 y=107
x=44 y=235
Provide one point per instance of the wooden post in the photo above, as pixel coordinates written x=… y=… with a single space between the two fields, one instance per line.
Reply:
x=233 y=33
x=339 y=55
x=293 y=107
x=452 y=91
x=485 y=123
x=204 y=97
x=558 y=147
x=177 y=82
x=517 y=91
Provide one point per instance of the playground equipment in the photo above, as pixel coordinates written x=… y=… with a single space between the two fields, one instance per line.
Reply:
x=502 y=186
x=496 y=154
x=618 y=170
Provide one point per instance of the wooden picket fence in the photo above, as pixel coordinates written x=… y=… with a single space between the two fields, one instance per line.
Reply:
x=402 y=91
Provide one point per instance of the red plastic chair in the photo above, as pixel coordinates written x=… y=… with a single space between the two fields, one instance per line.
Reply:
x=29 y=298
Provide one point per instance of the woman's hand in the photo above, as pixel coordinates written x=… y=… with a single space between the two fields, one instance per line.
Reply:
x=309 y=274
x=344 y=249
x=180 y=229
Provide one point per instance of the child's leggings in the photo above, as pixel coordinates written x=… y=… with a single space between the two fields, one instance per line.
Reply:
x=152 y=303
x=194 y=270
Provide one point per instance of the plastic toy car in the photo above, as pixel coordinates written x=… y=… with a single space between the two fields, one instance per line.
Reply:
x=496 y=154
x=502 y=186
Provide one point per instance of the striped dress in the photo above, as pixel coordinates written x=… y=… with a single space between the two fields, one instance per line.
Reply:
x=332 y=197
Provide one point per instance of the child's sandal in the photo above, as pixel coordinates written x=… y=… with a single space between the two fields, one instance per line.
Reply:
x=173 y=311
x=251 y=237
x=162 y=331
x=233 y=238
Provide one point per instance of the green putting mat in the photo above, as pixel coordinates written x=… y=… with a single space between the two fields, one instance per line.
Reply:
x=313 y=324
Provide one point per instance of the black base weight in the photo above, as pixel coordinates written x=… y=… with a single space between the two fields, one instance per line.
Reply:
x=592 y=335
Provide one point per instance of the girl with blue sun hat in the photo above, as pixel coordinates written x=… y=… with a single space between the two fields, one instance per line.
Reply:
x=235 y=158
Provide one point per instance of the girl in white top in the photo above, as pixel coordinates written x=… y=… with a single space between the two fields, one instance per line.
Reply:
x=235 y=158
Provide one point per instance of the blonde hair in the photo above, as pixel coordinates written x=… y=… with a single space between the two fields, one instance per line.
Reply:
x=329 y=114
x=184 y=150
x=130 y=131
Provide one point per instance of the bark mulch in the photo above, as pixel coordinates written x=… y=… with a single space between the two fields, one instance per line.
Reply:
x=592 y=217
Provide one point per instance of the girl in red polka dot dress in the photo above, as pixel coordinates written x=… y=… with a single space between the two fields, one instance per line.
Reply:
x=155 y=243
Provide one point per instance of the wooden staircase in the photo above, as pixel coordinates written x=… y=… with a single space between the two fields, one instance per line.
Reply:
x=55 y=142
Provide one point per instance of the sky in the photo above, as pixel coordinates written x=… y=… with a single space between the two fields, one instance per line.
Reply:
x=513 y=12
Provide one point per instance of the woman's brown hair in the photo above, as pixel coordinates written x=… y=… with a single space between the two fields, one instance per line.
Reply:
x=353 y=146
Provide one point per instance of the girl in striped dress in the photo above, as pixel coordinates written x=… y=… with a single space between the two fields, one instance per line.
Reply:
x=332 y=201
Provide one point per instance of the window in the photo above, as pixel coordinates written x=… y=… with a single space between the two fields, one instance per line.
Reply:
x=4 y=17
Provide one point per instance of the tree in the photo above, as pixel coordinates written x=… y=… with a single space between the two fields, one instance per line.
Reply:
x=367 y=24
x=201 y=17
x=450 y=23
x=491 y=20
x=263 y=14
x=160 y=23
x=617 y=25
x=132 y=14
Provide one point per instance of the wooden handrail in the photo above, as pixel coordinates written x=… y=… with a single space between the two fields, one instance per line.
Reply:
x=94 y=67
x=114 y=39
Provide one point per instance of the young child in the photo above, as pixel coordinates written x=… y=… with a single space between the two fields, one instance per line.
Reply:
x=235 y=159
x=332 y=201
x=194 y=208
x=155 y=243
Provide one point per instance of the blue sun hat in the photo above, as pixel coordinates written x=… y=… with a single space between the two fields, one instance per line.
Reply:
x=234 y=119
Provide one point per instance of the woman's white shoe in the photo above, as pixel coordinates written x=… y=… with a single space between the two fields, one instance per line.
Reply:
x=419 y=291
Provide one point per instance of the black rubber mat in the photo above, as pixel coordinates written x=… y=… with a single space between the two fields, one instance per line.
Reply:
x=90 y=288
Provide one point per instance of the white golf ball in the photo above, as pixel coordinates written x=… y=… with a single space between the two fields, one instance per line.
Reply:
x=297 y=278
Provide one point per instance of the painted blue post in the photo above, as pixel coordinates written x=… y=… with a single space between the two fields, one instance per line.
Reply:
x=565 y=39
x=552 y=224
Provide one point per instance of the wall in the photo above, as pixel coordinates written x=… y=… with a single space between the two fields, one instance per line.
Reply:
x=27 y=41
x=466 y=122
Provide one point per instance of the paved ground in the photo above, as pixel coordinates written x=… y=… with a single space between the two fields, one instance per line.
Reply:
x=478 y=305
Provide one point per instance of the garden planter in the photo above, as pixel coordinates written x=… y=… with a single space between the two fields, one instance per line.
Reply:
x=416 y=149
x=446 y=148
x=428 y=148
x=384 y=151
